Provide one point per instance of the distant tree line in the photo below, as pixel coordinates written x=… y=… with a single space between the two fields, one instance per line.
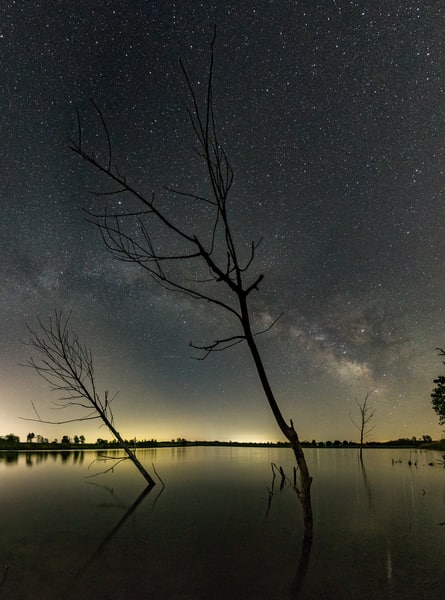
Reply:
x=79 y=441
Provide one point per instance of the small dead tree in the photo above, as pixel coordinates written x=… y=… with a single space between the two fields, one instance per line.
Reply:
x=207 y=265
x=363 y=424
x=67 y=366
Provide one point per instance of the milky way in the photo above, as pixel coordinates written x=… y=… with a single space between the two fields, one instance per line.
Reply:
x=332 y=115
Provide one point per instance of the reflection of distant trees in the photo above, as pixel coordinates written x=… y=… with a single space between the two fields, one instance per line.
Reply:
x=37 y=457
x=64 y=455
x=41 y=456
x=9 y=457
x=78 y=456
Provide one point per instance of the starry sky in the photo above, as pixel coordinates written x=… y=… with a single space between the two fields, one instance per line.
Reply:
x=332 y=114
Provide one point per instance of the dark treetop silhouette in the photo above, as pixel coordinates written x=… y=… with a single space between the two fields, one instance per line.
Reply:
x=207 y=266
x=438 y=394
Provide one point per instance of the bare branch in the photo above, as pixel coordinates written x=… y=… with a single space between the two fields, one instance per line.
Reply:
x=76 y=420
x=189 y=195
x=218 y=345
x=107 y=133
x=112 y=193
x=269 y=327
x=104 y=458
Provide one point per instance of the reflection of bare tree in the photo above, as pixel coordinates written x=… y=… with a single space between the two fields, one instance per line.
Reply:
x=4 y=574
x=284 y=480
x=306 y=546
x=122 y=520
x=366 y=481
x=73 y=591
x=116 y=501
x=303 y=564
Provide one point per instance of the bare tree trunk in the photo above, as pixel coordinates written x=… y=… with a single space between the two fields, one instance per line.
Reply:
x=304 y=489
x=366 y=416
x=129 y=452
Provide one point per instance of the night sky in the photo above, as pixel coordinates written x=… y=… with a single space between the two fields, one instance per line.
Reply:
x=332 y=114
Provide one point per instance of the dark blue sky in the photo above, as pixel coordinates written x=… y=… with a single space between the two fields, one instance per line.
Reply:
x=332 y=115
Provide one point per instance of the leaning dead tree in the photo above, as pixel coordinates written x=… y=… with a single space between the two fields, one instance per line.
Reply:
x=67 y=366
x=202 y=260
x=363 y=424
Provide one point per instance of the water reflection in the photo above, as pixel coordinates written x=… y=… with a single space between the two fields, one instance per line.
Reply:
x=304 y=551
x=365 y=482
x=36 y=457
x=9 y=457
x=377 y=532
x=4 y=574
x=296 y=588
x=94 y=561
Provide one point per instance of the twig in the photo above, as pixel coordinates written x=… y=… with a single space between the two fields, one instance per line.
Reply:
x=157 y=475
x=118 y=460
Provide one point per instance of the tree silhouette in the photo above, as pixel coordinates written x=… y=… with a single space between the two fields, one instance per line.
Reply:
x=438 y=394
x=30 y=437
x=67 y=366
x=366 y=414
x=211 y=266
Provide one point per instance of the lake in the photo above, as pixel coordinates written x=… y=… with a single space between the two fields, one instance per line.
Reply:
x=222 y=528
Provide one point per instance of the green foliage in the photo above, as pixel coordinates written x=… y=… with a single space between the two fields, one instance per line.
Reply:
x=438 y=398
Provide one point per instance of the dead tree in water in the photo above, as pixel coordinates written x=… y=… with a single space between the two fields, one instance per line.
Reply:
x=217 y=271
x=363 y=424
x=67 y=365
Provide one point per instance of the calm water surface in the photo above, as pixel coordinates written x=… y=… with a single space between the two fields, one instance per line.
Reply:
x=219 y=529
